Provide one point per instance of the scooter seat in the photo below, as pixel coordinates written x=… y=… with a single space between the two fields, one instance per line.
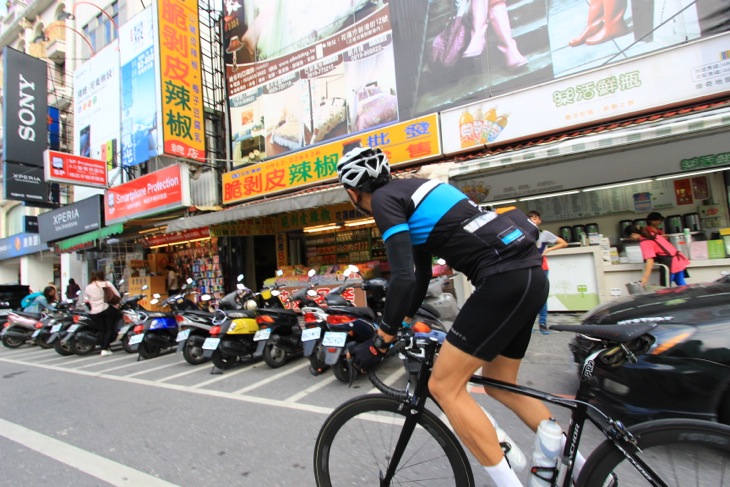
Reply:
x=201 y=313
x=360 y=311
x=278 y=312
x=35 y=316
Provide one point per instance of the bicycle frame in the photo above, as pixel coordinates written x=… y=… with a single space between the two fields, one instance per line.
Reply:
x=580 y=407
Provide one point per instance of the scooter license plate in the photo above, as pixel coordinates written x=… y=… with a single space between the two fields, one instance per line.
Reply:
x=135 y=339
x=36 y=333
x=311 y=334
x=262 y=335
x=73 y=328
x=211 y=343
x=56 y=328
x=182 y=335
x=334 y=339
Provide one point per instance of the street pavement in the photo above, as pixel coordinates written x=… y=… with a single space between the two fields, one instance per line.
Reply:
x=98 y=421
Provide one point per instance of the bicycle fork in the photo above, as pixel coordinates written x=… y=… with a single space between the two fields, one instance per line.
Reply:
x=415 y=405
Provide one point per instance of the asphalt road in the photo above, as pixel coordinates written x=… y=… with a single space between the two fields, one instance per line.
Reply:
x=95 y=421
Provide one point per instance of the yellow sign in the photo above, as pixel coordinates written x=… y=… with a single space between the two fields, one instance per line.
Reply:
x=403 y=142
x=181 y=80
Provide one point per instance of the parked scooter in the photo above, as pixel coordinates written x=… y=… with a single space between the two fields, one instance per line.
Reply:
x=157 y=331
x=20 y=328
x=279 y=337
x=441 y=303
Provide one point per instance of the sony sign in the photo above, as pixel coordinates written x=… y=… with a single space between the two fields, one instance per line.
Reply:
x=25 y=108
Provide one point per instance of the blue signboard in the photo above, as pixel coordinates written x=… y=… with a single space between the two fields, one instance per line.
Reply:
x=21 y=244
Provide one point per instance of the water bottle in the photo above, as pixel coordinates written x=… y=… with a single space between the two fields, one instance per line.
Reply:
x=515 y=457
x=545 y=455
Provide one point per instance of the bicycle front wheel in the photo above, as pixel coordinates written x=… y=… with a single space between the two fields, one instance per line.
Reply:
x=357 y=440
x=683 y=452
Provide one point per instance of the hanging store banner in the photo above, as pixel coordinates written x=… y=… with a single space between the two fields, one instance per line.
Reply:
x=300 y=73
x=140 y=98
x=181 y=79
x=176 y=238
x=26 y=183
x=265 y=225
x=97 y=109
x=67 y=168
x=25 y=109
x=404 y=142
x=21 y=244
x=697 y=71
x=163 y=190
x=71 y=220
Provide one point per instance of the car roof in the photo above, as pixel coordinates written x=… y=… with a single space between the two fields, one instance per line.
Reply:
x=699 y=304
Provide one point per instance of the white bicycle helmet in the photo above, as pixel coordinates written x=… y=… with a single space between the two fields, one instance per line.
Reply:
x=364 y=168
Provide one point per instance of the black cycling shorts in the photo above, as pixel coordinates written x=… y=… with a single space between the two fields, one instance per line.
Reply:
x=498 y=317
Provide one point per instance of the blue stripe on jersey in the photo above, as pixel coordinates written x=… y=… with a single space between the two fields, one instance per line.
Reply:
x=432 y=208
x=393 y=230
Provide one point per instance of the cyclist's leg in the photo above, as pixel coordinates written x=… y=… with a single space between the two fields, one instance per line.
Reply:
x=451 y=372
x=530 y=411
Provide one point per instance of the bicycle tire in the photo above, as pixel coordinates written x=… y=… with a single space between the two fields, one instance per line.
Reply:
x=685 y=452
x=345 y=452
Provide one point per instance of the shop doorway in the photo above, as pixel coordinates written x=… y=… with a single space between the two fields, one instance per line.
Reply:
x=264 y=257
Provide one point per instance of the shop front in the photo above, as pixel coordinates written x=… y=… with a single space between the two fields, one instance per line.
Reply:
x=589 y=188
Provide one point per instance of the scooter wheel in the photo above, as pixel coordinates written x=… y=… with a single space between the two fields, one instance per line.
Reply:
x=275 y=356
x=222 y=361
x=13 y=342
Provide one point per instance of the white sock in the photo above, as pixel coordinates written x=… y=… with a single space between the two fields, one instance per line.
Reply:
x=502 y=475
x=579 y=459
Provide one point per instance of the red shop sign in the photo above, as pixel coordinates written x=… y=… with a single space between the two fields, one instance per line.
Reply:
x=174 y=238
x=163 y=190
x=62 y=167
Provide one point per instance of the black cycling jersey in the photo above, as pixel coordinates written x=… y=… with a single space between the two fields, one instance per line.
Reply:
x=438 y=219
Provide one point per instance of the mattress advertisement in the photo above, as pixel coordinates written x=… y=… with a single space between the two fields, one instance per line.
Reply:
x=303 y=73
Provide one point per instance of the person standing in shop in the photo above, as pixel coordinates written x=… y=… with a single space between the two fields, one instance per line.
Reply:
x=72 y=289
x=546 y=242
x=173 y=284
x=654 y=221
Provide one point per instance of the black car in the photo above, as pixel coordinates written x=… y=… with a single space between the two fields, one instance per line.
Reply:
x=10 y=297
x=686 y=372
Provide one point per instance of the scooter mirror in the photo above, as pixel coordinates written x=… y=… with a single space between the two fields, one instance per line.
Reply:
x=312 y=293
x=145 y=287
x=441 y=262
x=239 y=278
x=78 y=293
x=205 y=297
x=311 y=272
x=121 y=281
x=275 y=292
x=189 y=280
x=240 y=286
x=279 y=273
x=154 y=301
x=156 y=296
x=353 y=268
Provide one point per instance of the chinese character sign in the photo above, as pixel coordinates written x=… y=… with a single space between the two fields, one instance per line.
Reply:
x=403 y=142
x=181 y=80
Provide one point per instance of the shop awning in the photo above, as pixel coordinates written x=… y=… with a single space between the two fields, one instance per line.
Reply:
x=104 y=232
x=327 y=196
x=595 y=159
x=624 y=138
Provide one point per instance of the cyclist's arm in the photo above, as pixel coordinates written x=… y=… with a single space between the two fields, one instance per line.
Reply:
x=424 y=273
x=402 y=282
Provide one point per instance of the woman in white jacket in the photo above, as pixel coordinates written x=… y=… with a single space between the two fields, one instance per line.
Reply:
x=105 y=316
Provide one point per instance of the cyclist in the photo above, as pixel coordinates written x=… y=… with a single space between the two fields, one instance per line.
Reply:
x=419 y=218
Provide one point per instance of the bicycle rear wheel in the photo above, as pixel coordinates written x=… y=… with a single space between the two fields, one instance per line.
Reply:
x=684 y=452
x=357 y=440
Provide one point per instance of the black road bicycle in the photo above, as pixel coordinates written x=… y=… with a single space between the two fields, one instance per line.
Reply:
x=393 y=439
